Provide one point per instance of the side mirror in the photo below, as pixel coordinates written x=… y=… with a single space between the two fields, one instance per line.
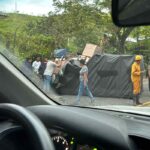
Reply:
x=127 y=13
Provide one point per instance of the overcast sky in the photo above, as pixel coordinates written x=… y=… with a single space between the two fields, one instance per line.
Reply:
x=33 y=7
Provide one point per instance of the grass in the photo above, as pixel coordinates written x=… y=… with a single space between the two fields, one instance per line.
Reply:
x=13 y=21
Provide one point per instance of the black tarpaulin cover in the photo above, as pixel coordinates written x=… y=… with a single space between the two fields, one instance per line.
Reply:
x=109 y=76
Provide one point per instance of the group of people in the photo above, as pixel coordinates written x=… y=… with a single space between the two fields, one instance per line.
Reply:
x=136 y=78
x=47 y=68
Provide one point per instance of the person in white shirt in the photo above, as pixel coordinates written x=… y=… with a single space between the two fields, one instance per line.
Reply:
x=36 y=65
x=50 y=67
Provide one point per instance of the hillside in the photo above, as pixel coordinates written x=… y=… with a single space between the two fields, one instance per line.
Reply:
x=14 y=35
x=13 y=21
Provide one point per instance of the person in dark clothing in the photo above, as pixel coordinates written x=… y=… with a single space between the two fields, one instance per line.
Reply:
x=27 y=67
x=28 y=63
x=42 y=68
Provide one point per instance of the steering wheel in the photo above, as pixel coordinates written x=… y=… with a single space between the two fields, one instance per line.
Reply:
x=31 y=124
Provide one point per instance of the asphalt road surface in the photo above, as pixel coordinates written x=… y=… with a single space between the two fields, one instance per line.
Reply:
x=101 y=101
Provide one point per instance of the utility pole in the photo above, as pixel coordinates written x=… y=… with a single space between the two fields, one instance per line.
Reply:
x=15 y=6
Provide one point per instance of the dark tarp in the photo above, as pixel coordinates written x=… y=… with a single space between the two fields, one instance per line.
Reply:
x=69 y=80
x=109 y=76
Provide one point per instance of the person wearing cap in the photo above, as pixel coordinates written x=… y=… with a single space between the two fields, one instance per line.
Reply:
x=83 y=82
x=136 y=78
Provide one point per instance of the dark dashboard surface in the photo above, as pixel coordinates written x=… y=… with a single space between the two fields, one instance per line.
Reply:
x=74 y=128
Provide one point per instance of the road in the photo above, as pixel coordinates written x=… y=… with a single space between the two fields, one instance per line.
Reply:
x=101 y=101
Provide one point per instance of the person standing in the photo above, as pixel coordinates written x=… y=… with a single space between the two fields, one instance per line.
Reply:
x=136 y=78
x=36 y=65
x=43 y=67
x=83 y=82
x=28 y=63
x=26 y=67
x=50 y=67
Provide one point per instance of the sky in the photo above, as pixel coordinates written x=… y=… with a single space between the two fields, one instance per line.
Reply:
x=32 y=7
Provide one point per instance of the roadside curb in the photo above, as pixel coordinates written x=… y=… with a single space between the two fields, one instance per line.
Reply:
x=145 y=104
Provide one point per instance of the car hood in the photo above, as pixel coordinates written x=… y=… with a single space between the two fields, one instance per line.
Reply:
x=127 y=109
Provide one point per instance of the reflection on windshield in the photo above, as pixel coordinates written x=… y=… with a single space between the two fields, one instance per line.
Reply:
x=75 y=54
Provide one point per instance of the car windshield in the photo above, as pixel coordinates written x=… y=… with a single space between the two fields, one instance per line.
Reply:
x=72 y=51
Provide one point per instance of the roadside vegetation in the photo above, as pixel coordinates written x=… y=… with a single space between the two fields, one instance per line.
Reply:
x=72 y=25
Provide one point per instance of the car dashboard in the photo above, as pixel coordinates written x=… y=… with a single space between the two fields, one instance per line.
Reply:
x=65 y=141
x=74 y=128
x=15 y=137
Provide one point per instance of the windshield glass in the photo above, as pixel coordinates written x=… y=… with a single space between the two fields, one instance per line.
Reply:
x=72 y=51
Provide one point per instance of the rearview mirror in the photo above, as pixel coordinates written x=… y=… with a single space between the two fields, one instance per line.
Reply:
x=131 y=12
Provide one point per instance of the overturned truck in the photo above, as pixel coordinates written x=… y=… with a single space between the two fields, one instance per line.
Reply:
x=109 y=76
